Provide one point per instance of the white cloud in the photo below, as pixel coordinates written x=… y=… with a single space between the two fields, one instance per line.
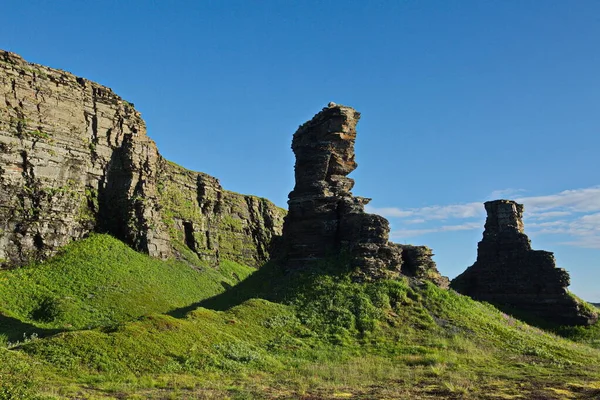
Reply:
x=547 y=224
x=590 y=242
x=432 y=212
x=591 y=220
x=540 y=207
x=578 y=200
x=547 y=214
x=586 y=228
x=389 y=212
x=574 y=214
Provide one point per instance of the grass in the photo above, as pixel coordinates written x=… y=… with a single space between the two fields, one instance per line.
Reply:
x=311 y=335
x=99 y=281
x=589 y=335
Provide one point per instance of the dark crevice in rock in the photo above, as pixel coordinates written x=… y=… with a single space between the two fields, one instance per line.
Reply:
x=94 y=137
x=113 y=199
x=254 y=230
x=138 y=229
x=190 y=241
x=209 y=244
x=38 y=241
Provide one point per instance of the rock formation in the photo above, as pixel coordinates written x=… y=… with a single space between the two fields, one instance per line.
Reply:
x=210 y=223
x=325 y=219
x=508 y=273
x=417 y=261
x=75 y=158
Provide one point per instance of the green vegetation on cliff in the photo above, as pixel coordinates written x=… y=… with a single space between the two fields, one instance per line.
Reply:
x=316 y=335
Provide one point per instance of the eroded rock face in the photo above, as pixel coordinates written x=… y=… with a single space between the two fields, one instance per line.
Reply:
x=417 y=261
x=205 y=221
x=509 y=273
x=75 y=158
x=324 y=218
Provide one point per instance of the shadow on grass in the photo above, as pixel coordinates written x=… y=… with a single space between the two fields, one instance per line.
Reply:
x=589 y=334
x=15 y=330
x=271 y=282
x=528 y=318
x=264 y=284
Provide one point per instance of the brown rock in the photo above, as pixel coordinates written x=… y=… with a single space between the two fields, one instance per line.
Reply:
x=417 y=261
x=509 y=273
x=324 y=218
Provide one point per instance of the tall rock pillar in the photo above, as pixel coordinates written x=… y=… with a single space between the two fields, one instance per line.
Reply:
x=324 y=218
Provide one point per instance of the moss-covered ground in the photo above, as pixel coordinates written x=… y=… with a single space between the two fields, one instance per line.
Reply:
x=310 y=335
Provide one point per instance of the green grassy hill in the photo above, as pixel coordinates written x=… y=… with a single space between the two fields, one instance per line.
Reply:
x=100 y=281
x=163 y=330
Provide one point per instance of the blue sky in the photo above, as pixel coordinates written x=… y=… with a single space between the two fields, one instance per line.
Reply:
x=461 y=102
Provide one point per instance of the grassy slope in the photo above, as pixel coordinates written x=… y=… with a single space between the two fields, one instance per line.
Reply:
x=100 y=281
x=311 y=335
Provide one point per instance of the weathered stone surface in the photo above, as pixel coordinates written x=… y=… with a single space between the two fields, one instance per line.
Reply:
x=205 y=221
x=75 y=157
x=324 y=218
x=417 y=261
x=509 y=273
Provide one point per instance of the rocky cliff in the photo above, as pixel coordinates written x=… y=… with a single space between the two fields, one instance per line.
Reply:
x=509 y=273
x=75 y=158
x=325 y=219
x=206 y=222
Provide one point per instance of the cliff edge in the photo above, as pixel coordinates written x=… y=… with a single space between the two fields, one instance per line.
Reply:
x=75 y=158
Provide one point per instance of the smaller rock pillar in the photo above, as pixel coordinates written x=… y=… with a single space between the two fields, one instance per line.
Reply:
x=508 y=273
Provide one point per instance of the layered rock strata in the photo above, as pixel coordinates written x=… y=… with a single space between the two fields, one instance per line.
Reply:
x=75 y=158
x=207 y=222
x=508 y=273
x=324 y=218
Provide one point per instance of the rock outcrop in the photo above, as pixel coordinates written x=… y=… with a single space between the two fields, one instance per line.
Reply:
x=508 y=273
x=324 y=218
x=417 y=261
x=75 y=158
x=207 y=222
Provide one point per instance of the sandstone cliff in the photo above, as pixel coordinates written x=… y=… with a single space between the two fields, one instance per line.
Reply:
x=75 y=157
x=324 y=217
x=509 y=273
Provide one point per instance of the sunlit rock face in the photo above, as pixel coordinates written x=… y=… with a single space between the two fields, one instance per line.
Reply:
x=325 y=219
x=75 y=158
x=509 y=273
